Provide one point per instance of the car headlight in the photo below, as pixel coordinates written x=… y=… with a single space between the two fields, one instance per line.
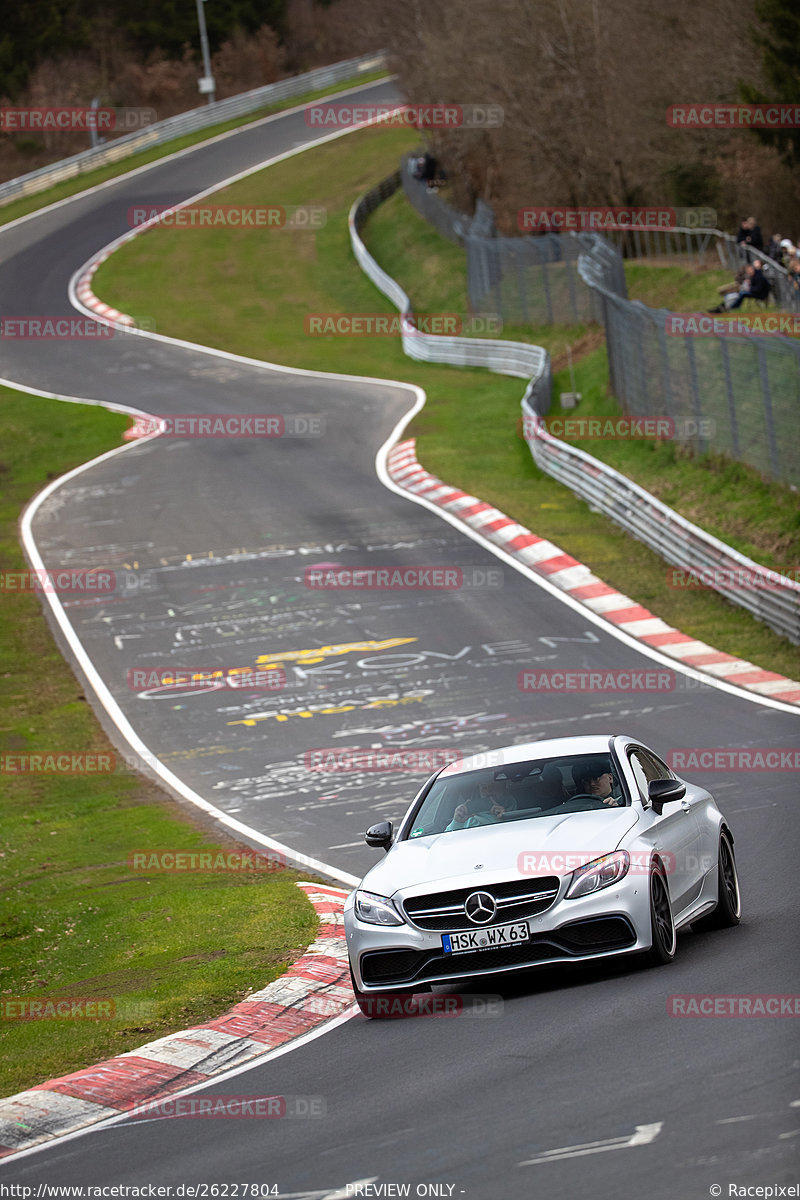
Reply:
x=376 y=910
x=599 y=873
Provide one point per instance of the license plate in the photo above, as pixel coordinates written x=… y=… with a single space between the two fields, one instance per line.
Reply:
x=486 y=939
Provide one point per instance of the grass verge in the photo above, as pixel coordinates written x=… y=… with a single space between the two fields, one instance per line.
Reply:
x=69 y=187
x=265 y=285
x=168 y=950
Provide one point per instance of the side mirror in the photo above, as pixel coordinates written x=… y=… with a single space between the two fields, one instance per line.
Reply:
x=664 y=791
x=380 y=836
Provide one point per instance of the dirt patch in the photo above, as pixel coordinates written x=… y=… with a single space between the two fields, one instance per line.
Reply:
x=592 y=340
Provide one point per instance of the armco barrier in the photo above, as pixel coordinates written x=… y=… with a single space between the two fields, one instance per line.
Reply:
x=745 y=387
x=506 y=358
x=677 y=540
x=188 y=122
x=673 y=537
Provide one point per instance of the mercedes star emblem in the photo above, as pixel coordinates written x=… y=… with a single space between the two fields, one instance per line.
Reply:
x=480 y=907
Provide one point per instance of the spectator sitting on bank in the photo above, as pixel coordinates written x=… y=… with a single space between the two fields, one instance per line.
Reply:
x=739 y=278
x=750 y=234
x=755 y=287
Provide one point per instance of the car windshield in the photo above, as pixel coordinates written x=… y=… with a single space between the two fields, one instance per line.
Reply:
x=519 y=792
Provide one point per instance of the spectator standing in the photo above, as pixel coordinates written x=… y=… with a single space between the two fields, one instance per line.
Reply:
x=749 y=234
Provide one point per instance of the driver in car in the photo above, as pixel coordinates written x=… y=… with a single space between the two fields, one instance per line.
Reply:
x=596 y=779
x=493 y=803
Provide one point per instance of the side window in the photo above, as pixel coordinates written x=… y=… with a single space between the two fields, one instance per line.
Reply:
x=657 y=769
x=635 y=759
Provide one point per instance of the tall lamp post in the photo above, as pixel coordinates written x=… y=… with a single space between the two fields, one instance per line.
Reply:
x=206 y=85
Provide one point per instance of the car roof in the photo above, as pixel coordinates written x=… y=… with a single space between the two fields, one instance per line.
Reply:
x=591 y=743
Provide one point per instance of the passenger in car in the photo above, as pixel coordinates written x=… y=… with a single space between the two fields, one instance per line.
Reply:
x=492 y=802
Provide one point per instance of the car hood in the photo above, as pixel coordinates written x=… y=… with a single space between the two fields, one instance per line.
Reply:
x=447 y=859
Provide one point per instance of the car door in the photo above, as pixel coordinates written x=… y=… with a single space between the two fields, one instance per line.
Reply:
x=706 y=817
x=704 y=813
x=675 y=832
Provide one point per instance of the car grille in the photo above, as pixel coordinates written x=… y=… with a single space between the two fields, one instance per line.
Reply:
x=515 y=901
x=593 y=936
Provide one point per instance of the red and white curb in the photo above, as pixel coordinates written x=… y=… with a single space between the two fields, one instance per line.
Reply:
x=313 y=990
x=575 y=578
x=83 y=283
x=83 y=290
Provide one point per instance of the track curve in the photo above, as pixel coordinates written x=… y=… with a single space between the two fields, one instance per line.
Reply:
x=224 y=532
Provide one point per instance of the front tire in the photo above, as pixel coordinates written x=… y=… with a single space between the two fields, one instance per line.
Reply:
x=729 y=901
x=662 y=925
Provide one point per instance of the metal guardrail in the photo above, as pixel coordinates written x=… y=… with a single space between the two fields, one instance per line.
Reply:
x=774 y=599
x=187 y=122
x=771 y=598
x=490 y=258
x=505 y=358
x=742 y=392
x=699 y=245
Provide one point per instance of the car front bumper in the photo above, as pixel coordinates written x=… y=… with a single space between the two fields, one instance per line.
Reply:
x=613 y=921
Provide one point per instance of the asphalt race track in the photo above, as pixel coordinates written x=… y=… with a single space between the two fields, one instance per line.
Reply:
x=213 y=539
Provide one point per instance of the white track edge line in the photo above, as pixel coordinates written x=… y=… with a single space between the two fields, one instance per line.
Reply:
x=109 y=704
x=103 y=694
x=385 y=479
x=543 y=582
x=257 y=1061
x=382 y=454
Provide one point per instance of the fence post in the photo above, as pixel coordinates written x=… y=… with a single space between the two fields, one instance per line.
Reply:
x=666 y=371
x=726 y=367
x=763 y=372
x=696 y=403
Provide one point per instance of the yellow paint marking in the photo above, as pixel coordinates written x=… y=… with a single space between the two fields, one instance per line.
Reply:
x=322 y=712
x=320 y=653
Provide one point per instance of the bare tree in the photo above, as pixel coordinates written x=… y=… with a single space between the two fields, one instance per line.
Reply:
x=585 y=86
